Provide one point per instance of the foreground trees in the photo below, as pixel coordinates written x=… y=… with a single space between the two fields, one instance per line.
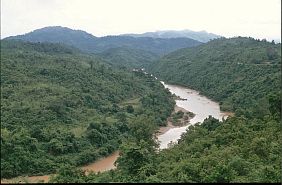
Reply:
x=61 y=107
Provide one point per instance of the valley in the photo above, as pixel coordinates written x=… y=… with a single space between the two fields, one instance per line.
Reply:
x=165 y=134
x=77 y=103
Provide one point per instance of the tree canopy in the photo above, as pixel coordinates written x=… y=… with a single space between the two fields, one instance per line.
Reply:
x=62 y=107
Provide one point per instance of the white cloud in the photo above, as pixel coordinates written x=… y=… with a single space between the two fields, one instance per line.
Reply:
x=256 y=18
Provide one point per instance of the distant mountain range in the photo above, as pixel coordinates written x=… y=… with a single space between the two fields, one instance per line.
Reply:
x=201 y=36
x=91 y=44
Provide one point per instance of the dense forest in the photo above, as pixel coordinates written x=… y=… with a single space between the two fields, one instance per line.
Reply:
x=238 y=149
x=62 y=107
x=244 y=75
x=127 y=57
x=238 y=72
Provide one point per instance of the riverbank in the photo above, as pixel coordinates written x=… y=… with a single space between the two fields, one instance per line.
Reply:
x=101 y=165
x=188 y=98
x=225 y=115
x=170 y=125
x=191 y=100
x=26 y=179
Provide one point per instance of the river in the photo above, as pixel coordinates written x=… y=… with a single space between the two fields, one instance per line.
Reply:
x=100 y=165
x=200 y=105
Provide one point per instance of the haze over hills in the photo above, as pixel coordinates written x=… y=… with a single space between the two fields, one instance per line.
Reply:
x=201 y=36
x=91 y=44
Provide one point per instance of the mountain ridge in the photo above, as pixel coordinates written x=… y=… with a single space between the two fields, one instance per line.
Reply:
x=202 y=36
x=91 y=44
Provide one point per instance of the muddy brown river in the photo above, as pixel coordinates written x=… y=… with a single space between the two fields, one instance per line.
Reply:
x=200 y=105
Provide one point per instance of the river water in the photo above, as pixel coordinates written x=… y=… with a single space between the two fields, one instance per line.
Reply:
x=200 y=105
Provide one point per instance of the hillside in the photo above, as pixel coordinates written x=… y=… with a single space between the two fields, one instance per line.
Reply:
x=62 y=107
x=237 y=72
x=242 y=73
x=201 y=36
x=91 y=44
x=131 y=58
x=57 y=34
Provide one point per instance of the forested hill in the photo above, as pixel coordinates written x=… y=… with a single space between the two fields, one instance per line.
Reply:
x=242 y=73
x=62 y=107
x=91 y=44
x=238 y=72
x=131 y=58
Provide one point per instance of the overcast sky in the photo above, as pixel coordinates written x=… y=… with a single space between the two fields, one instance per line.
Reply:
x=255 y=18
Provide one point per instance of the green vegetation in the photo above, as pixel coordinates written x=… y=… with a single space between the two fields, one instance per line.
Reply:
x=238 y=149
x=177 y=115
x=181 y=118
x=238 y=72
x=131 y=58
x=241 y=73
x=235 y=150
x=60 y=107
